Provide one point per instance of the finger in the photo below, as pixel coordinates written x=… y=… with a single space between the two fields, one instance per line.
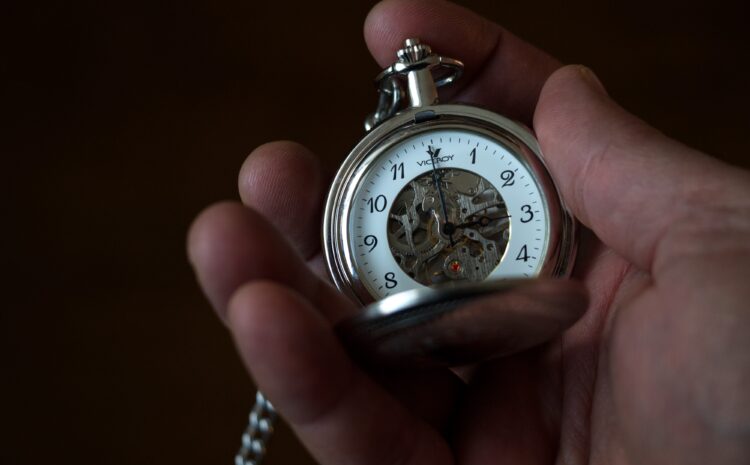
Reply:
x=502 y=73
x=340 y=415
x=604 y=272
x=623 y=179
x=511 y=410
x=428 y=393
x=512 y=407
x=284 y=182
x=229 y=245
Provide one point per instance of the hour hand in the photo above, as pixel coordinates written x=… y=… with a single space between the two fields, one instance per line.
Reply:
x=481 y=221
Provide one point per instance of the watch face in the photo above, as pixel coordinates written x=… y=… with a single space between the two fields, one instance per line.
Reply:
x=444 y=205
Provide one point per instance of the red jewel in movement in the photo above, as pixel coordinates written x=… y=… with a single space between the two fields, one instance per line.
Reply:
x=455 y=266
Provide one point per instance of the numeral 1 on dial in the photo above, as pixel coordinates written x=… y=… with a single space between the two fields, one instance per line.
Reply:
x=398 y=171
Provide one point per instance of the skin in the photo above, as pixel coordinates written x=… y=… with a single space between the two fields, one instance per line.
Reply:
x=657 y=370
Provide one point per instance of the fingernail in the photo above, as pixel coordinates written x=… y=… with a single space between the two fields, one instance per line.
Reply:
x=591 y=78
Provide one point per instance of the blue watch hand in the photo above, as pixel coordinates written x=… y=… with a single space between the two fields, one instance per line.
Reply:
x=448 y=227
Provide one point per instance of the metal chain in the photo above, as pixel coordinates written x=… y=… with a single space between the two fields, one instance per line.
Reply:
x=258 y=432
x=390 y=95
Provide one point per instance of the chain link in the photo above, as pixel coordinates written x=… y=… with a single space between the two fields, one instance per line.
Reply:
x=258 y=432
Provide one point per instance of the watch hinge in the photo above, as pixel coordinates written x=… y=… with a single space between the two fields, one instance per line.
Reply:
x=423 y=116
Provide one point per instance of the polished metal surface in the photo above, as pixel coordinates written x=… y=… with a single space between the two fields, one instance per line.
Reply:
x=460 y=325
x=390 y=95
x=416 y=64
x=258 y=432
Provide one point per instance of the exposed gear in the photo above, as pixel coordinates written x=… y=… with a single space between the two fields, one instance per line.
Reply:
x=466 y=245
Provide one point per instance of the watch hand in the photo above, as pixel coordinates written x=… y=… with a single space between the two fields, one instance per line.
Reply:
x=484 y=221
x=448 y=226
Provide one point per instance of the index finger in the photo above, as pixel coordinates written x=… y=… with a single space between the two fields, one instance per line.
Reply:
x=502 y=72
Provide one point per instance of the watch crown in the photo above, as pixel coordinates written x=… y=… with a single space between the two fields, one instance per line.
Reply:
x=413 y=51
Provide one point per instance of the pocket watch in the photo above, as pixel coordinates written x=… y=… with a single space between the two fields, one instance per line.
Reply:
x=437 y=206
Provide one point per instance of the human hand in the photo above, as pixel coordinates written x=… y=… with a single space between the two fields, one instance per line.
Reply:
x=656 y=371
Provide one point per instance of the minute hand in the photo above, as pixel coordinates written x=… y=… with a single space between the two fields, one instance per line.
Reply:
x=436 y=179
x=483 y=221
x=447 y=225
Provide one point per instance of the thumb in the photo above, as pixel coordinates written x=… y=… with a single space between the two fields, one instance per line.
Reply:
x=623 y=179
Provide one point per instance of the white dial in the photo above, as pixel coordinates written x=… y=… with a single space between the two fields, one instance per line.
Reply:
x=445 y=205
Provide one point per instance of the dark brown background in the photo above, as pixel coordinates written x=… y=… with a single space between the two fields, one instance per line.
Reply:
x=123 y=120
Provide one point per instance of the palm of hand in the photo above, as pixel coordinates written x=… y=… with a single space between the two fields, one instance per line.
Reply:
x=626 y=384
